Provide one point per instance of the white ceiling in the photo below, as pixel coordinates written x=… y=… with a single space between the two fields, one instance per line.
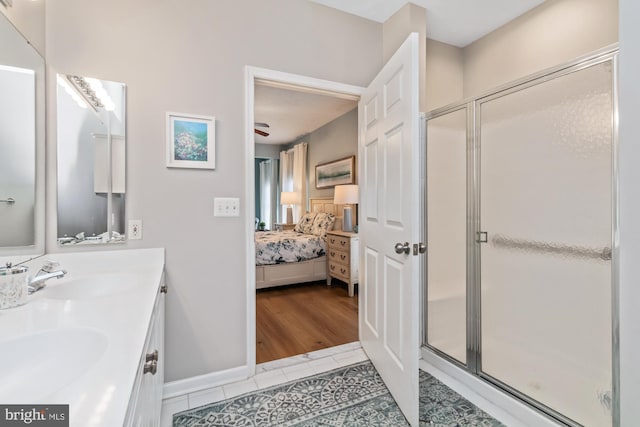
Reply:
x=456 y=22
x=292 y=114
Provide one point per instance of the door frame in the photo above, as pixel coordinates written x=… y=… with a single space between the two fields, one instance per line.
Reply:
x=277 y=79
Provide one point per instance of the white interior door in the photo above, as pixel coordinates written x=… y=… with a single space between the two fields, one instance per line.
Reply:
x=388 y=148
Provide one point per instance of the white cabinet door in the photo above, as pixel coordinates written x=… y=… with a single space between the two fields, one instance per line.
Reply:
x=146 y=399
x=389 y=179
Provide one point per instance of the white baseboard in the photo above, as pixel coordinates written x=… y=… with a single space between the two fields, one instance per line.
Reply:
x=493 y=401
x=203 y=382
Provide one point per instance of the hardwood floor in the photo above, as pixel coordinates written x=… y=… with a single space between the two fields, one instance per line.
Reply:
x=298 y=319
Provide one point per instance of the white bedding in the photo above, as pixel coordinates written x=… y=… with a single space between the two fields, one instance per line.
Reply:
x=276 y=247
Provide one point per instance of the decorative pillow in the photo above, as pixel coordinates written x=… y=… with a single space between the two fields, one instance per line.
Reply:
x=322 y=223
x=305 y=224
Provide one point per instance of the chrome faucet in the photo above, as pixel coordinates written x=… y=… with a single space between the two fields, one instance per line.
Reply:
x=48 y=271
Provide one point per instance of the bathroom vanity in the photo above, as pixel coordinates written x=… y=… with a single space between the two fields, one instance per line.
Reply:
x=93 y=339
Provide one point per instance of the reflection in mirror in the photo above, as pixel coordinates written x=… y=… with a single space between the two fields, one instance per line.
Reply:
x=22 y=85
x=91 y=160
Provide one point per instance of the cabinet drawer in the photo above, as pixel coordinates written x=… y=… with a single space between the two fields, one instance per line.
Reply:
x=338 y=242
x=339 y=256
x=340 y=271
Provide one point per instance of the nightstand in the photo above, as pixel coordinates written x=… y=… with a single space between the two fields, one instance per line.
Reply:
x=342 y=258
x=284 y=227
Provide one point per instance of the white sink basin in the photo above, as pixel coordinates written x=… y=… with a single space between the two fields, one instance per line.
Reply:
x=35 y=366
x=89 y=287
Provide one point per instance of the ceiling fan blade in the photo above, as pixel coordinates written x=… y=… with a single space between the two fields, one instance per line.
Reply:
x=259 y=132
x=261 y=125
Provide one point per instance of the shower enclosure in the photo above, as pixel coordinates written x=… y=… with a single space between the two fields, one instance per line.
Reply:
x=521 y=221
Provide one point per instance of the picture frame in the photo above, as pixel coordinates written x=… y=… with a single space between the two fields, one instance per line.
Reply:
x=191 y=141
x=336 y=172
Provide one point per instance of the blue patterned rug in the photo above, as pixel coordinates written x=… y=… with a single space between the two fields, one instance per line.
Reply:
x=351 y=396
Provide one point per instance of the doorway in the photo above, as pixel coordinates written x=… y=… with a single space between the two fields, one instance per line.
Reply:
x=282 y=307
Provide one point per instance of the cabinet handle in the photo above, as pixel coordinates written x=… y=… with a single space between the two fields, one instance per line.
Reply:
x=150 y=367
x=333 y=267
x=342 y=270
x=333 y=240
x=342 y=257
x=164 y=289
x=343 y=243
x=333 y=253
x=151 y=356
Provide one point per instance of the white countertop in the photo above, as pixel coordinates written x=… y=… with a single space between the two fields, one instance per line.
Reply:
x=88 y=342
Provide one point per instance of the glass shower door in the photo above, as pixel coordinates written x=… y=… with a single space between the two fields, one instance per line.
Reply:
x=546 y=217
x=447 y=233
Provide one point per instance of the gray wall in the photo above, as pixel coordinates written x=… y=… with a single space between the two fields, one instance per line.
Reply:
x=335 y=140
x=444 y=75
x=190 y=57
x=29 y=17
x=554 y=32
x=268 y=151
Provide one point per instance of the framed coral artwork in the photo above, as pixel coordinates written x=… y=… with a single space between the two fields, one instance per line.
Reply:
x=191 y=141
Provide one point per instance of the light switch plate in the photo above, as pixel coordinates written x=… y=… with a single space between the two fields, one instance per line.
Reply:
x=135 y=229
x=226 y=206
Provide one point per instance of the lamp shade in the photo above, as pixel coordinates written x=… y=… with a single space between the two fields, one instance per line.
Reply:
x=289 y=198
x=345 y=194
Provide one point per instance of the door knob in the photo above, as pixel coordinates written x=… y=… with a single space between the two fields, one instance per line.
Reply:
x=402 y=248
x=150 y=367
x=151 y=356
x=419 y=248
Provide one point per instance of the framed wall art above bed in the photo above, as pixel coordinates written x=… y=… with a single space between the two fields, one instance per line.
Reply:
x=337 y=172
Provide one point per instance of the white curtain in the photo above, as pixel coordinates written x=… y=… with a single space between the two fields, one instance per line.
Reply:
x=293 y=177
x=269 y=195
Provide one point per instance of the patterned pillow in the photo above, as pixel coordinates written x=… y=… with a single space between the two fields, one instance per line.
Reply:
x=323 y=223
x=305 y=224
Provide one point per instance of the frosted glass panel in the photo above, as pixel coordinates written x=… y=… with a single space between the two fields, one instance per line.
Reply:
x=446 y=234
x=546 y=202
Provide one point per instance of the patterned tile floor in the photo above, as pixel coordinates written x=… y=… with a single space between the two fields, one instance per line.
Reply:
x=317 y=389
x=441 y=406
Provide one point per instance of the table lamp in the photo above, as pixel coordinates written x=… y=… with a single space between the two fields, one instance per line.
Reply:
x=346 y=195
x=289 y=198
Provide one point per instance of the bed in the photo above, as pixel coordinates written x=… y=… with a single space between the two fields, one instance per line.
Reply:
x=289 y=265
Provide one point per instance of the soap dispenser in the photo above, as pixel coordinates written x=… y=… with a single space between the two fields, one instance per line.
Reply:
x=13 y=286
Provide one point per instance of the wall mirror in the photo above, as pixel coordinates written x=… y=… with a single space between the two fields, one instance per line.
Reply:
x=22 y=136
x=91 y=160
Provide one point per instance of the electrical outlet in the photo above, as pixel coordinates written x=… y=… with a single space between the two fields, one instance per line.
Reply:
x=226 y=206
x=135 y=229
